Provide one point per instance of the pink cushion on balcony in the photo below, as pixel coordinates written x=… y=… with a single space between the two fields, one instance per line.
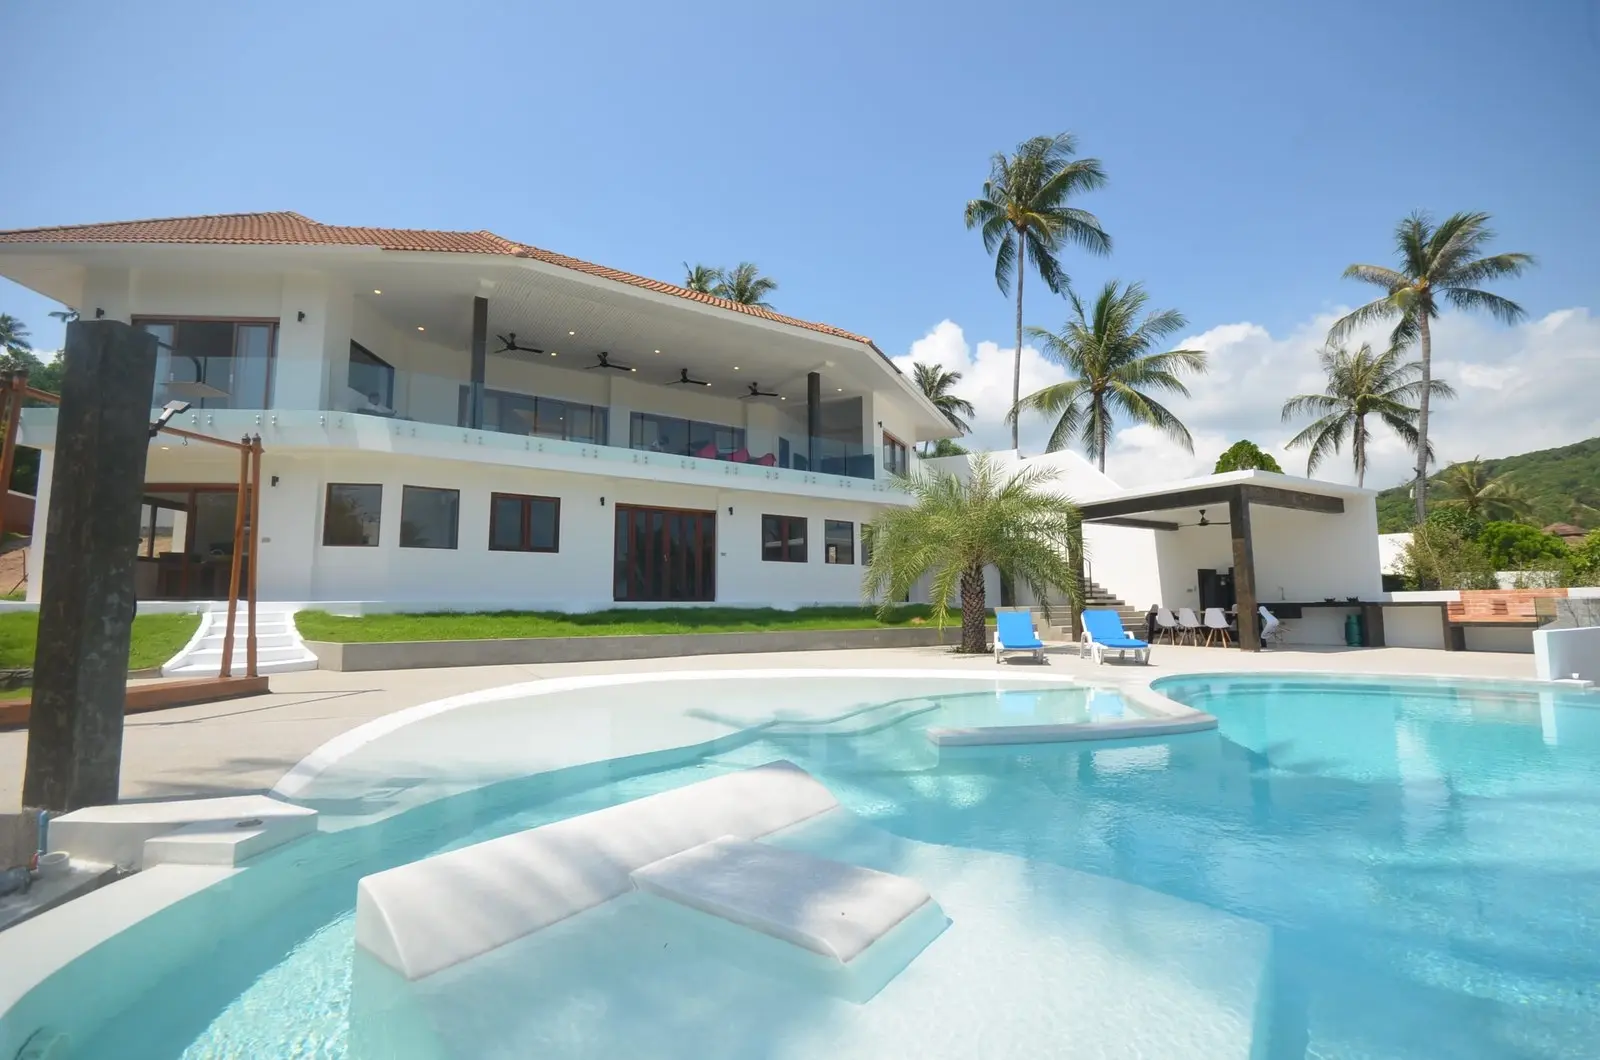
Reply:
x=707 y=451
x=740 y=456
x=768 y=460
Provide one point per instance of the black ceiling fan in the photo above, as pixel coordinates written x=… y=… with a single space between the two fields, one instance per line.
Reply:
x=757 y=392
x=685 y=377
x=1206 y=522
x=510 y=345
x=606 y=362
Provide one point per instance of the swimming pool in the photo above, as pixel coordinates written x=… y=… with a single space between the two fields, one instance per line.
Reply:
x=1342 y=869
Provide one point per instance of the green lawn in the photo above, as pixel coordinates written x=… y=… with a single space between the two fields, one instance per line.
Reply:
x=494 y=625
x=156 y=638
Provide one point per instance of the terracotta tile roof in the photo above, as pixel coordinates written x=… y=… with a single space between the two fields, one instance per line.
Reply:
x=291 y=229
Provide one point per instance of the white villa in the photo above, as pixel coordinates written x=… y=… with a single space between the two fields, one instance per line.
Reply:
x=455 y=418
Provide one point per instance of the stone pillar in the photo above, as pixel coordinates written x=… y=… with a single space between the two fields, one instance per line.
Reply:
x=80 y=670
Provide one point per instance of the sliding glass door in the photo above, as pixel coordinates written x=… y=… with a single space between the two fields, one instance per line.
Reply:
x=665 y=554
x=212 y=364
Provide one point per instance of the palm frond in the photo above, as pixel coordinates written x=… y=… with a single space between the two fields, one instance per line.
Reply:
x=1502 y=309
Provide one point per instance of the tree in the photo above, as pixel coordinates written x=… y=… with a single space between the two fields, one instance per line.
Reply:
x=1517 y=546
x=744 y=284
x=1438 y=557
x=1360 y=384
x=1112 y=371
x=1246 y=456
x=16 y=352
x=958 y=527
x=936 y=385
x=1467 y=486
x=1585 y=561
x=945 y=447
x=1437 y=265
x=701 y=278
x=1023 y=214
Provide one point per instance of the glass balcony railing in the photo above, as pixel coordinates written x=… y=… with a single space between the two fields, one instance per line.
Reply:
x=422 y=398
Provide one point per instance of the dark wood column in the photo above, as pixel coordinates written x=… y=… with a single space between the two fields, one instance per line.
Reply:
x=80 y=668
x=813 y=419
x=480 y=360
x=1244 y=570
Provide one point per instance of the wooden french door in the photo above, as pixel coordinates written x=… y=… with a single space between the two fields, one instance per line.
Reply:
x=665 y=554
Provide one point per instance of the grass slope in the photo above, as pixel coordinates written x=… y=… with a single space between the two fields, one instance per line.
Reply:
x=1557 y=479
x=494 y=625
x=156 y=638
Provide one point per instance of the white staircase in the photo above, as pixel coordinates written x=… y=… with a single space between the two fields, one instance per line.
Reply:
x=279 y=648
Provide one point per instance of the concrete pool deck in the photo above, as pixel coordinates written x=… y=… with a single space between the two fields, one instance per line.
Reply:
x=246 y=745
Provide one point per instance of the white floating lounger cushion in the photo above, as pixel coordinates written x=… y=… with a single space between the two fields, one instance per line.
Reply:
x=433 y=913
x=827 y=907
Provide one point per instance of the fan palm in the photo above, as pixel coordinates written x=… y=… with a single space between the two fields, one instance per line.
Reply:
x=701 y=278
x=1467 y=486
x=1112 y=371
x=1360 y=384
x=936 y=385
x=744 y=284
x=1437 y=264
x=1023 y=214
x=958 y=527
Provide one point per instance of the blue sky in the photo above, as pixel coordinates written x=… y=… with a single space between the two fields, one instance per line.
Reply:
x=1254 y=148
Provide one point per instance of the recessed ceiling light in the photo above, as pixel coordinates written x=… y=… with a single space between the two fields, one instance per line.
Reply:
x=572 y=333
x=421 y=328
x=658 y=351
x=841 y=390
x=633 y=369
x=735 y=368
x=552 y=353
x=376 y=291
x=783 y=399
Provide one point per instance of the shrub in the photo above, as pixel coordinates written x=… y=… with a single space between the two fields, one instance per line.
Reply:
x=1246 y=456
x=1583 y=566
x=1517 y=546
x=1457 y=521
x=1440 y=558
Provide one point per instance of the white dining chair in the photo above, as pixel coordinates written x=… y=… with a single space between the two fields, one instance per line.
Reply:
x=1167 y=622
x=1216 y=622
x=1189 y=624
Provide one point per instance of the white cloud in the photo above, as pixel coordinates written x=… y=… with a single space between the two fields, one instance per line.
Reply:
x=1533 y=386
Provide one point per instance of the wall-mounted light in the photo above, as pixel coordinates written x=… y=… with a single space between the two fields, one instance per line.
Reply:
x=274 y=480
x=301 y=316
x=98 y=312
x=880 y=423
x=730 y=509
x=602 y=502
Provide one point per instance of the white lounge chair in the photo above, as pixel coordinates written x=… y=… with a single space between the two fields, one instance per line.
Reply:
x=1216 y=622
x=1189 y=624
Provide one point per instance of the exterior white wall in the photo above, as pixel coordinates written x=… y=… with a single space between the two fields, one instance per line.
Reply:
x=1499 y=638
x=1312 y=555
x=1181 y=554
x=1566 y=653
x=1413 y=627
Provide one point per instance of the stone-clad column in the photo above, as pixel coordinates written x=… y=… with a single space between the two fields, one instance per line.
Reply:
x=80 y=670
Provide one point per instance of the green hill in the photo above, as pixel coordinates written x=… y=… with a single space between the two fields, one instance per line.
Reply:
x=1559 y=480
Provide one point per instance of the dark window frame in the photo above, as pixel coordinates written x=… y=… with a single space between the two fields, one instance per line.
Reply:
x=175 y=320
x=828 y=545
x=327 y=501
x=785 y=524
x=455 y=527
x=901 y=464
x=527 y=501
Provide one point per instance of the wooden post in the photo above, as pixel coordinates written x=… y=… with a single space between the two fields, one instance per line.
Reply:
x=1244 y=571
x=1075 y=604
x=255 y=547
x=8 y=449
x=80 y=668
x=241 y=497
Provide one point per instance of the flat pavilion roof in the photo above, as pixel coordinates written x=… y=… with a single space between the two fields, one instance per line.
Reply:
x=1175 y=504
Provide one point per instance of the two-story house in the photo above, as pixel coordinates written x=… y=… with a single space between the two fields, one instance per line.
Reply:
x=454 y=418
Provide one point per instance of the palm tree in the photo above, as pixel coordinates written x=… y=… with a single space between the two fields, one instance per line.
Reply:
x=1360 y=384
x=14 y=336
x=744 y=284
x=936 y=385
x=1468 y=487
x=1023 y=214
x=701 y=278
x=957 y=528
x=1437 y=264
x=1112 y=371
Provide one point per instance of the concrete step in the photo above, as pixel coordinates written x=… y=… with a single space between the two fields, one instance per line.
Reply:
x=213 y=656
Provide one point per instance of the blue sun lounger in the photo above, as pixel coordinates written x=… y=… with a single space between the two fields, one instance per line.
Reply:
x=1013 y=632
x=1103 y=632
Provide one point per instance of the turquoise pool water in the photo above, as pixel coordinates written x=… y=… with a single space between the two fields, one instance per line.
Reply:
x=1343 y=869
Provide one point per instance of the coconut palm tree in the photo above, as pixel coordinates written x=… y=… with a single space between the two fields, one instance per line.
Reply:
x=1467 y=486
x=936 y=385
x=14 y=338
x=1113 y=371
x=1360 y=384
x=1437 y=265
x=1023 y=214
x=701 y=278
x=744 y=284
x=958 y=527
